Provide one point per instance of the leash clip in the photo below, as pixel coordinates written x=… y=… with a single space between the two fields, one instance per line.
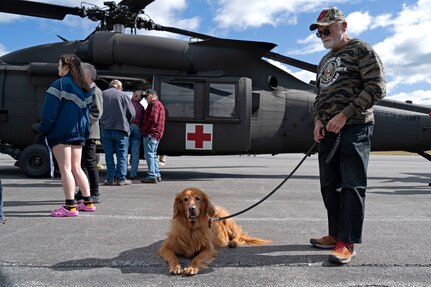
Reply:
x=210 y=219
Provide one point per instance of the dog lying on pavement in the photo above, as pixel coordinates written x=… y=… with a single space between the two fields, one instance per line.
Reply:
x=190 y=235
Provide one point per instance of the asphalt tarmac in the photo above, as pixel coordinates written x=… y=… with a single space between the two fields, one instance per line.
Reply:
x=117 y=244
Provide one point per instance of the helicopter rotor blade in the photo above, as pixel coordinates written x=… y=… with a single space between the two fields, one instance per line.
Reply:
x=36 y=9
x=136 y=5
x=158 y=27
x=260 y=48
x=292 y=62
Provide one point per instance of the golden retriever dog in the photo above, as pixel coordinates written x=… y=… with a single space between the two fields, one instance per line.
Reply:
x=190 y=235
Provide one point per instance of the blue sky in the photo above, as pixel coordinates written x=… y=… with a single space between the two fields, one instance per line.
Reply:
x=398 y=30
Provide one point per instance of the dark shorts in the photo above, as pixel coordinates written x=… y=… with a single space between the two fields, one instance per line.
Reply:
x=78 y=143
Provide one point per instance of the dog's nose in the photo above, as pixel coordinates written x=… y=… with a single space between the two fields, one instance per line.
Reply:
x=192 y=209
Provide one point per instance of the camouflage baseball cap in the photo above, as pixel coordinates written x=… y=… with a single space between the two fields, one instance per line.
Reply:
x=327 y=17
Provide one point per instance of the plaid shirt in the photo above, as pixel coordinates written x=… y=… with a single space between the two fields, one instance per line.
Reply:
x=154 y=120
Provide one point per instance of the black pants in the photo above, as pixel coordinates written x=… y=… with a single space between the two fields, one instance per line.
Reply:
x=89 y=165
x=343 y=181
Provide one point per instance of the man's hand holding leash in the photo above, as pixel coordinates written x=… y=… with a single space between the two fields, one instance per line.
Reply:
x=334 y=125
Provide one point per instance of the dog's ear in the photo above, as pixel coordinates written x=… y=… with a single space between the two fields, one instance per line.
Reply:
x=177 y=207
x=210 y=209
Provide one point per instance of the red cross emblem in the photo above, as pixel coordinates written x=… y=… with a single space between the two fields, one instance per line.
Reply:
x=199 y=136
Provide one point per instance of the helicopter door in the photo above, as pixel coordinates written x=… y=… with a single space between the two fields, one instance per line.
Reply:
x=205 y=115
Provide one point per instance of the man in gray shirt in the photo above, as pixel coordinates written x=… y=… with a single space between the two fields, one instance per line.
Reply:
x=118 y=112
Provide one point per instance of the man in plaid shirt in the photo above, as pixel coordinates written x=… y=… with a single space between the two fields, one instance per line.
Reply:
x=152 y=130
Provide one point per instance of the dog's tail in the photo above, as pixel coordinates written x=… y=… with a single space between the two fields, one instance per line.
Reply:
x=245 y=239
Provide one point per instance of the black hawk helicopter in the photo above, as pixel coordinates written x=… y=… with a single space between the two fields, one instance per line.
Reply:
x=222 y=97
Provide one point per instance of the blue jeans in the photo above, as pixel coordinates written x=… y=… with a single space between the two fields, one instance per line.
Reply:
x=1 y=202
x=115 y=142
x=150 y=147
x=135 y=146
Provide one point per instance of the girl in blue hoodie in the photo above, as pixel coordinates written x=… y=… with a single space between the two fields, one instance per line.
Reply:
x=65 y=124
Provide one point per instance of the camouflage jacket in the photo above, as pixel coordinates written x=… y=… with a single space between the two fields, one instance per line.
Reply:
x=349 y=80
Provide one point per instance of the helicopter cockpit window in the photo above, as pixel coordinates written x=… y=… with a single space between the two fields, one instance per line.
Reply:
x=222 y=100
x=179 y=99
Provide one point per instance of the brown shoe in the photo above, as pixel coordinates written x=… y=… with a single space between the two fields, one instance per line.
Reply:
x=326 y=242
x=343 y=252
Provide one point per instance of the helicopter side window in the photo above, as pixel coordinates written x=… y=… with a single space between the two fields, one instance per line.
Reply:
x=179 y=99
x=222 y=100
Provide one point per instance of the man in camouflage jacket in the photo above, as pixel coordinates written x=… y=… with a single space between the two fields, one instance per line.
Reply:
x=350 y=80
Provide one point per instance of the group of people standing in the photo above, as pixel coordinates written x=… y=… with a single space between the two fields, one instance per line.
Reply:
x=76 y=114
x=128 y=126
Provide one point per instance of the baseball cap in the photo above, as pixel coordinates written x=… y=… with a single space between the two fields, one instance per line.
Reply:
x=327 y=17
x=150 y=91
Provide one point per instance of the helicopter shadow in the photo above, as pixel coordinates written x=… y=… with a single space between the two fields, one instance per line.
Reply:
x=404 y=190
x=29 y=185
x=198 y=175
x=419 y=185
x=406 y=178
x=144 y=260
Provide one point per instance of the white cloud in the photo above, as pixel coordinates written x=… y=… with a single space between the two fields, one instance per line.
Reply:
x=167 y=11
x=242 y=14
x=3 y=50
x=381 y=21
x=6 y=18
x=358 y=22
x=169 y=14
x=417 y=97
x=310 y=45
x=407 y=53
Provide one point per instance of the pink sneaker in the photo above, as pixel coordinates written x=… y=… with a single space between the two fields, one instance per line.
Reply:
x=63 y=212
x=87 y=208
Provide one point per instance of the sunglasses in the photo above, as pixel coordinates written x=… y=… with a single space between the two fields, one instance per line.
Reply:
x=325 y=32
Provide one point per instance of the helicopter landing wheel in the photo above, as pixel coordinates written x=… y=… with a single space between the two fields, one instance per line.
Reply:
x=34 y=161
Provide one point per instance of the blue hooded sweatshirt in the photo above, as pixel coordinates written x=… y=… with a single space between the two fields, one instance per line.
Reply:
x=66 y=112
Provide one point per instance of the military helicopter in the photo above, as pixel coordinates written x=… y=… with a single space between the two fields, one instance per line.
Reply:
x=222 y=96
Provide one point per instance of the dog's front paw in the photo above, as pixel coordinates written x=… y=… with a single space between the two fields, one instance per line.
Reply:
x=191 y=271
x=233 y=244
x=176 y=270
